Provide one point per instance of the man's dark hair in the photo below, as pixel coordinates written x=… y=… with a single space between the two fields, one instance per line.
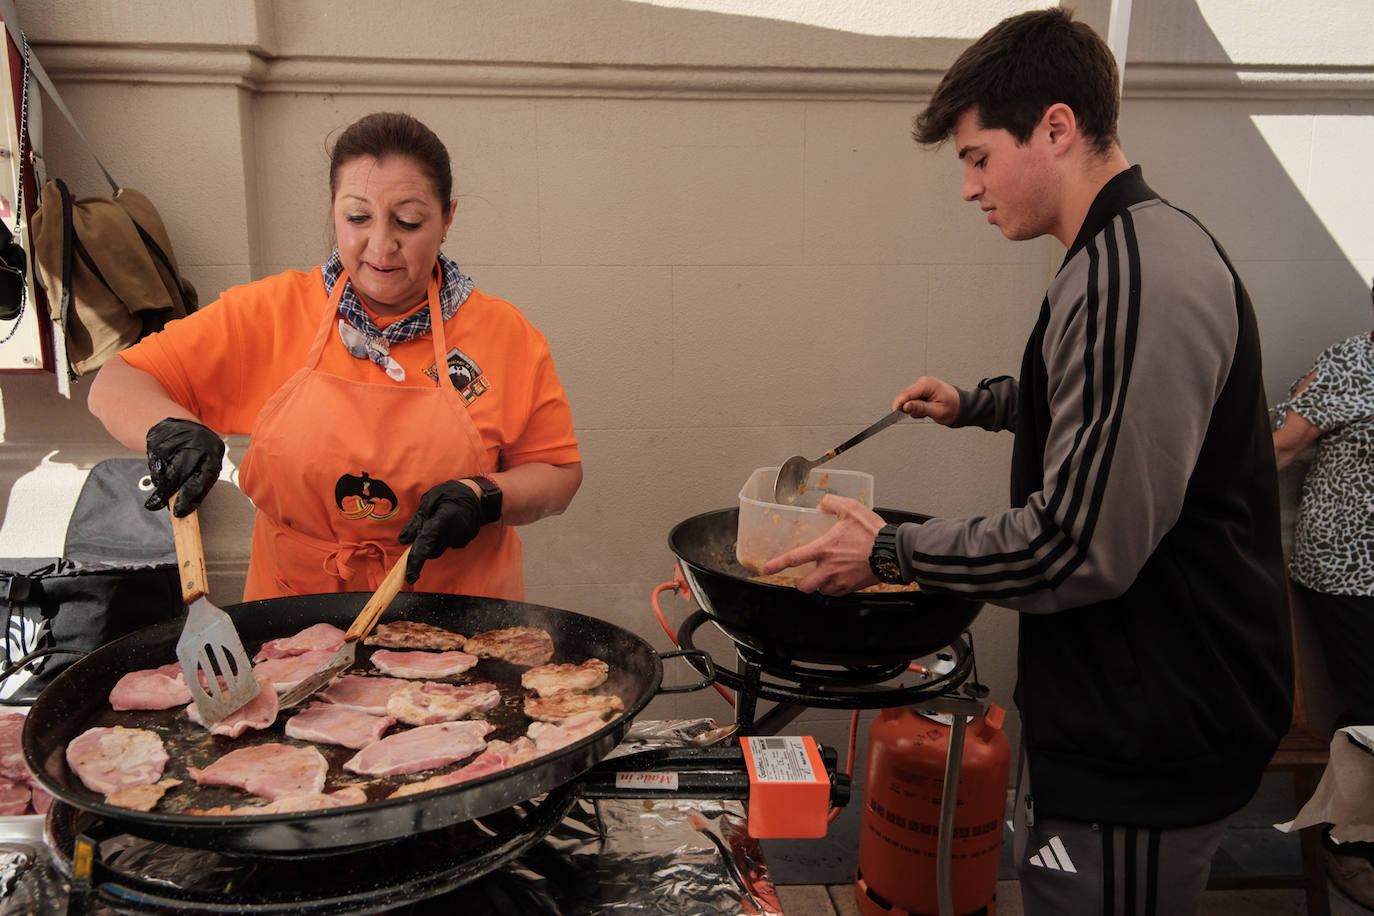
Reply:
x=1019 y=68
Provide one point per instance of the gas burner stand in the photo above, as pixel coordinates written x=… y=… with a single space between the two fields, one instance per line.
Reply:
x=798 y=686
x=795 y=686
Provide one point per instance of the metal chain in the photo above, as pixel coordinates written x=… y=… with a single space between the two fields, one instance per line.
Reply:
x=23 y=135
x=19 y=186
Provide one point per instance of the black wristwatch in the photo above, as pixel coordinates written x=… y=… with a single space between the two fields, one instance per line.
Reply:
x=883 y=560
x=491 y=497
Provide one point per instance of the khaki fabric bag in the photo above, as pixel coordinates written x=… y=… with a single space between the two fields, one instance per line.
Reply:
x=108 y=267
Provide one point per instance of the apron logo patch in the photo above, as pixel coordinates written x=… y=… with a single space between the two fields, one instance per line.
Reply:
x=465 y=375
x=363 y=497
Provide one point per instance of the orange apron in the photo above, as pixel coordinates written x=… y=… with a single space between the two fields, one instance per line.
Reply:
x=336 y=468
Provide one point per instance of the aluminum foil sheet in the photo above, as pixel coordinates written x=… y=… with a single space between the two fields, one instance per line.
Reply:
x=611 y=857
x=605 y=858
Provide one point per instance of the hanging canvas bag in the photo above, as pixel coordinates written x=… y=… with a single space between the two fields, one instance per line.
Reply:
x=107 y=263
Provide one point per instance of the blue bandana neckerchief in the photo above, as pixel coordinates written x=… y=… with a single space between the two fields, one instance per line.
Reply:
x=360 y=334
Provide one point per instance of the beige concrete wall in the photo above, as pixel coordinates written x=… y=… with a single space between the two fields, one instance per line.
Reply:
x=719 y=221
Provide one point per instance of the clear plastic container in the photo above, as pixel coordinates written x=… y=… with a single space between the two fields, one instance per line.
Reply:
x=767 y=528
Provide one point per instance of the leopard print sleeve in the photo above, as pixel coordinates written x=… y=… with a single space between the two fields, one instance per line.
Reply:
x=1334 y=536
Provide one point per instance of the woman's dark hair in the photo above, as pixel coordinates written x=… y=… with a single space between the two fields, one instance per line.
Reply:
x=391 y=134
x=1021 y=67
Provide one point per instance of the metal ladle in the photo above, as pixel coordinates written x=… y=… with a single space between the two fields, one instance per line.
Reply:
x=793 y=474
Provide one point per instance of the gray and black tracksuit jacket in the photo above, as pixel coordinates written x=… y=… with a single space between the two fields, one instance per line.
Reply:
x=1142 y=546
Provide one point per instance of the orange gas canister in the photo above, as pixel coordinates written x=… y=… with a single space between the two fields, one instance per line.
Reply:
x=900 y=822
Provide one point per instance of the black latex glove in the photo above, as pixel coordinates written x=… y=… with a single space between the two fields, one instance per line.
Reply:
x=450 y=515
x=184 y=459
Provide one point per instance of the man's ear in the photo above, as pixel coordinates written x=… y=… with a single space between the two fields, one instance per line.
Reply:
x=1059 y=126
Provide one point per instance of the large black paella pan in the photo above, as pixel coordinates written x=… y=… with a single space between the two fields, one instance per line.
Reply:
x=78 y=700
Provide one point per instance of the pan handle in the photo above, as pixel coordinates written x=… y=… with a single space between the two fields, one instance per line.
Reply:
x=701 y=661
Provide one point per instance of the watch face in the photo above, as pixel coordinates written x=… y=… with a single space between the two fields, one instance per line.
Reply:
x=887 y=569
x=883 y=559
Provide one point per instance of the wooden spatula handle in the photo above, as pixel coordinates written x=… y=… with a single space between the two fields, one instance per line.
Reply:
x=381 y=599
x=190 y=554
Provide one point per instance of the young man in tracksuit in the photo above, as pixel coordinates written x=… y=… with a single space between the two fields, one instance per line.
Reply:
x=1142 y=547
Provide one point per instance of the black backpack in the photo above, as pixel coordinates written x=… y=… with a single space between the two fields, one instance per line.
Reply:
x=118 y=574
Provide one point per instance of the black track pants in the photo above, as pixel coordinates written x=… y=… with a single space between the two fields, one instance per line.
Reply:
x=1072 y=868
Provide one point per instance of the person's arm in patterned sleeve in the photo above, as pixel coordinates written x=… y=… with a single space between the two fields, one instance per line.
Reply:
x=1294 y=432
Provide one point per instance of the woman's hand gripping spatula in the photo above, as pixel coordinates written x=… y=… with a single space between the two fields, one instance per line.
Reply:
x=216 y=668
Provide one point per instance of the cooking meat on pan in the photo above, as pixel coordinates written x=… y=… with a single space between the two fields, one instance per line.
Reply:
x=411 y=634
x=270 y=770
x=563 y=706
x=498 y=756
x=549 y=737
x=286 y=671
x=109 y=758
x=151 y=688
x=523 y=646
x=421 y=748
x=789 y=580
x=421 y=665
x=547 y=680
x=341 y=725
x=348 y=795
x=258 y=713
x=141 y=798
x=428 y=702
x=315 y=638
x=363 y=693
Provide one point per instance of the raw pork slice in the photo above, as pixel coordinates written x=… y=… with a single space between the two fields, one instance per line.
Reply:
x=141 y=798
x=258 y=713
x=550 y=679
x=411 y=634
x=340 y=725
x=107 y=759
x=271 y=770
x=151 y=688
x=422 y=748
x=427 y=702
x=14 y=798
x=498 y=756
x=349 y=795
x=12 y=766
x=321 y=636
x=363 y=693
x=563 y=706
x=287 y=671
x=523 y=646
x=549 y=737
x=419 y=665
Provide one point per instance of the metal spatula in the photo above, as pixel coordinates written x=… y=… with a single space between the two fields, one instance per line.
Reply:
x=358 y=631
x=792 y=476
x=216 y=668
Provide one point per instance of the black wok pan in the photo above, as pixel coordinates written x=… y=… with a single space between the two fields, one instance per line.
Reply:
x=78 y=700
x=785 y=625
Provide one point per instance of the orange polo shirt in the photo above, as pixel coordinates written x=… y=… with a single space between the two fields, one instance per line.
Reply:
x=224 y=361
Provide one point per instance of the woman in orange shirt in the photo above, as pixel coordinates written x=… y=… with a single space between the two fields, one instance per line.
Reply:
x=388 y=401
